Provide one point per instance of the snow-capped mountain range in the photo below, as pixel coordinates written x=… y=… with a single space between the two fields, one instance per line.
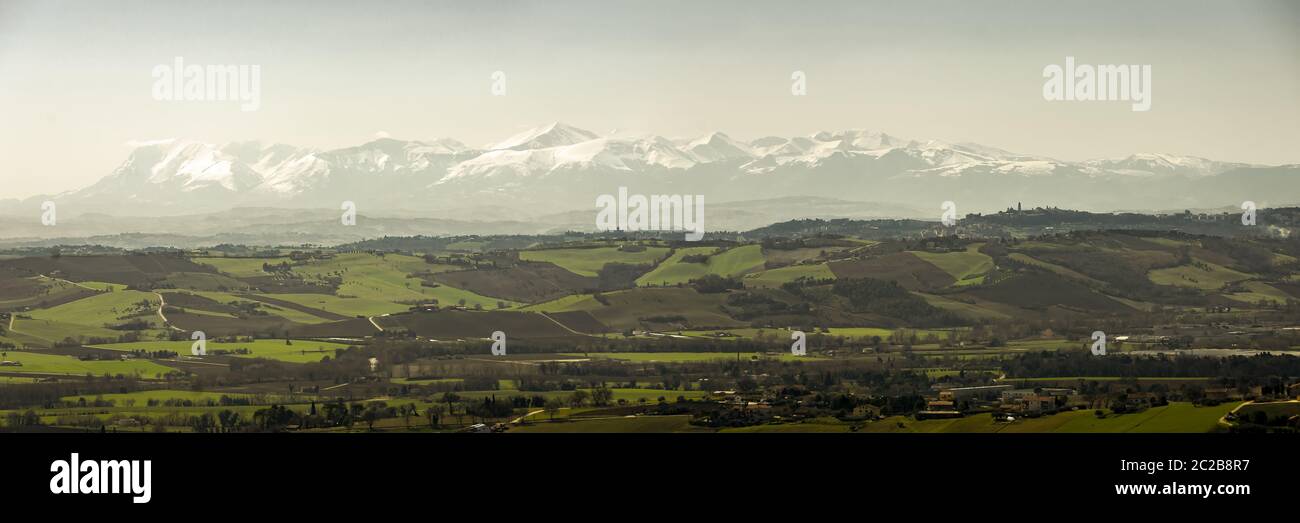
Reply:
x=558 y=168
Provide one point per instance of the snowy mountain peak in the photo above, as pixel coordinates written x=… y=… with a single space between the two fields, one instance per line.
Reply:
x=1164 y=164
x=552 y=135
x=717 y=146
x=559 y=163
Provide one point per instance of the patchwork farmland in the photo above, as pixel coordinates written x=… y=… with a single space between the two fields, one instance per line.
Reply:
x=909 y=334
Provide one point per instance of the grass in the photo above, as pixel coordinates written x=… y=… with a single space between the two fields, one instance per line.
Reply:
x=1170 y=242
x=102 y=309
x=38 y=292
x=383 y=283
x=301 y=351
x=50 y=416
x=448 y=295
x=681 y=357
x=632 y=396
x=775 y=334
x=968 y=267
x=776 y=277
x=1112 y=378
x=10 y=380
x=1209 y=277
x=1260 y=291
x=52 y=331
x=965 y=310
x=345 y=306
x=18 y=339
x=1046 y=344
x=639 y=424
x=431 y=381
x=588 y=262
x=1176 y=417
x=812 y=425
x=102 y=286
x=863 y=333
x=731 y=263
x=38 y=363
x=572 y=302
x=143 y=397
x=283 y=312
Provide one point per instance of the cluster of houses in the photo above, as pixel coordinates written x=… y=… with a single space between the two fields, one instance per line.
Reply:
x=1219 y=335
x=1006 y=400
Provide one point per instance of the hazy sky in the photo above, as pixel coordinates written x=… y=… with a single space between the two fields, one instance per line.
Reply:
x=76 y=84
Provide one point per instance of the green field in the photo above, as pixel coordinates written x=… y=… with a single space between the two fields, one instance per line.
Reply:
x=51 y=331
x=431 y=381
x=858 y=333
x=283 y=312
x=141 y=398
x=776 y=277
x=38 y=363
x=733 y=262
x=1259 y=291
x=38 y=292
x=572 y=302
x=373 y=284
x=864 y=333
x=678 y=357
x=102 y=309
x=968 y=267
x=1109 y=378
x=101 y=286
x=10 y=380
x=1177 y=417
x=812 y=425
x=588 y=262
x=1212 y=277
x=641 y=424
x=965 y=310
x=346 y=306
x=301 y=351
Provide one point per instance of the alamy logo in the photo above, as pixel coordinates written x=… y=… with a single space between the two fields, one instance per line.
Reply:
x=798 y=83
x=49 y=215
x=949 y=216
x=498 y=83
x=656 y=213
x=200 y=83
x=349 y=216
x=498 y=343
x=1098 y=343
x=1248 y=209
x=1105 y=83
x=102 y=477
x=200 y=345
x=800 y=345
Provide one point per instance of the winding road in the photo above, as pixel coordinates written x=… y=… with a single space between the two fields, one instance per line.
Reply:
x=162 y=302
